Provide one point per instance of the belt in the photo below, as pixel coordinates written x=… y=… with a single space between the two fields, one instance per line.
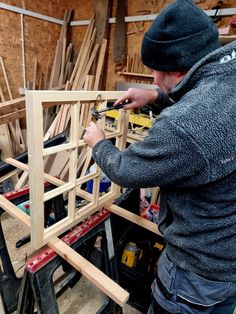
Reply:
x=163 y=289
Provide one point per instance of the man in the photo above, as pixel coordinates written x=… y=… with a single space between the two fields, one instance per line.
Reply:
x=190 y=153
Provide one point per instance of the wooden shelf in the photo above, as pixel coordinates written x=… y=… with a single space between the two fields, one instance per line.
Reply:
x=136 y=74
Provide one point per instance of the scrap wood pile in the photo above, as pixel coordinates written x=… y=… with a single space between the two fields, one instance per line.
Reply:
x=83 y=77
x=82 y=74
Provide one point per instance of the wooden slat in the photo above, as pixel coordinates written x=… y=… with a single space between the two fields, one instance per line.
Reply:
x=102 y=9
x=2 y=98
x=98 y=278
x=85 y=53
x=14 y=211
x=120 y=33
x=85 y=40
x=35 y=73
x=12 y=105
x=100 y=64
x=59 y=148
x=74 y=133
x=88 y=66
x=5 y=142
x=22 y=180
x=5 y=77
x=58 y=191
x=36 y=171
x=12 y=116
x=151 y=226
x=9 y=175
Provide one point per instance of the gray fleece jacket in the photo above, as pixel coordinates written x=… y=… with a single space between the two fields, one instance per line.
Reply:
x=190 y=153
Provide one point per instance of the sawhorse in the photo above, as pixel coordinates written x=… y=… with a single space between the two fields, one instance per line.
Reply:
x=9 y=282
x=37 y=283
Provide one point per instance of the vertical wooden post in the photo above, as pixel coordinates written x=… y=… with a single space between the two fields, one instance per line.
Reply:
x=123 y=123
x=74 y=134
x=36 y=168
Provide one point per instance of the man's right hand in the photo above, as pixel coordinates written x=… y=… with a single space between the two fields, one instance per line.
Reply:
x=137 y=98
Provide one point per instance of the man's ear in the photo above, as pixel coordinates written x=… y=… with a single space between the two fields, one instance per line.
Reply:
x=180 y=74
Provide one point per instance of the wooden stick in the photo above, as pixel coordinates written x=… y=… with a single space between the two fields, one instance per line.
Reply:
x=151 y=226
x=86 y=37
x=46 y=83
x=5 y=142
x=155 y=194
x=14 y=136
x=22 y=180
x=100 y=64
x=53 y=81
x=6 y=79
x=85 y=53
x=14 y=211
x=88 y=67
x=98 y=278
x=12 y=105
x=35 y=73
x=2 y=98
x=61 y=77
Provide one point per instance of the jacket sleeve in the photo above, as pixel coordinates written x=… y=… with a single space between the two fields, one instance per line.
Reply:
x=162 y=101
x=161 y=159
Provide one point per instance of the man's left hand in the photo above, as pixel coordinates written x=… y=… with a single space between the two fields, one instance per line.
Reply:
x=93 y=134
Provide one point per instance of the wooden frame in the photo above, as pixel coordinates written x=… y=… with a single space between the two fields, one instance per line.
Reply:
x=35 y=103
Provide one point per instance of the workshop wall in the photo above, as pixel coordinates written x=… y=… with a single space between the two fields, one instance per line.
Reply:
x=135 y=32
x=41 y=36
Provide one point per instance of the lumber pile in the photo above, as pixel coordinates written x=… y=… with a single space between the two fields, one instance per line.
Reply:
x=67 y=73
x=12 y=141
x=85 y=74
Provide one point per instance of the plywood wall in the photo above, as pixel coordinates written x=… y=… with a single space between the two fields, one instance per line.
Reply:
x=41 y=36
x=134 y=41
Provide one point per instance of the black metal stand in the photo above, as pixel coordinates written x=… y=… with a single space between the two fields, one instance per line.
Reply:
x=37 y=289
x=9 y=283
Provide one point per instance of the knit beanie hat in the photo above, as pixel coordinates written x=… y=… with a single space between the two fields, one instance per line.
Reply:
x=179 y=36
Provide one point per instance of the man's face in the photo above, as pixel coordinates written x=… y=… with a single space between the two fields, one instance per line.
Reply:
x=165 y=80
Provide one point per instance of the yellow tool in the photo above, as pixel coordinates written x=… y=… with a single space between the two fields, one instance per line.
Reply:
x=131 y=255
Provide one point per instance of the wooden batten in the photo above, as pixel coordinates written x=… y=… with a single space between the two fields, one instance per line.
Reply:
x=151 y=226
x=36 y=170
x=98 y=278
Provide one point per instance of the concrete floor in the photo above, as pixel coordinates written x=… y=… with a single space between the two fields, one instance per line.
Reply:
x=83 y=298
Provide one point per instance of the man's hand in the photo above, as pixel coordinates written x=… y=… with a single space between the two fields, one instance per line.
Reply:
x=93 y=134
x=137 y=97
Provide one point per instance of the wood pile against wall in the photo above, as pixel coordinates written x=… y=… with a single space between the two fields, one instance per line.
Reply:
x=11 y=133
x=66 y=75
x=80 y=79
